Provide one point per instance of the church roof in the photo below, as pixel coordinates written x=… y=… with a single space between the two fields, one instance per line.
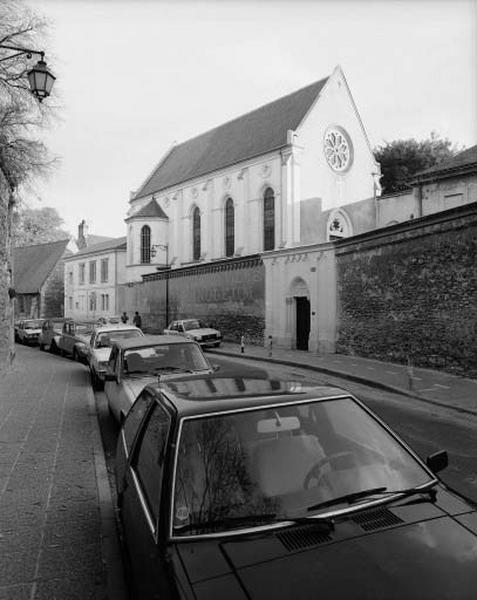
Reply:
x=255 y=133
x=461 y=161
x=33 y=264
x=111 y=244
x=151 y=209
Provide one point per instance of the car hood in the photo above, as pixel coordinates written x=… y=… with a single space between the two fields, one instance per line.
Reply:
x=413 y=554
x=204 y=331
x=134 y=385
x=31 y=330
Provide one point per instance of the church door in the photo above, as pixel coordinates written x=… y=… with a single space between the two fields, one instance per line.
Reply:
x=302 y=322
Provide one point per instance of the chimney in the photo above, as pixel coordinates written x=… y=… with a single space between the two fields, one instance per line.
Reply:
x=82 y=235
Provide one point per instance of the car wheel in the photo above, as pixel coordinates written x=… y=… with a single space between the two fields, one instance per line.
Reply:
x=53 y=348
x=96 y=382
x=75 y=355
x=42 y=347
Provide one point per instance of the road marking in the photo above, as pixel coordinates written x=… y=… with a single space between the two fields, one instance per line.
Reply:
x=446 y=387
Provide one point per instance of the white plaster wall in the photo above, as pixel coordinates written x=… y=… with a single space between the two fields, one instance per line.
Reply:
x=244 y=183
x=397 y=208
x=449 y=193
x=334 y=107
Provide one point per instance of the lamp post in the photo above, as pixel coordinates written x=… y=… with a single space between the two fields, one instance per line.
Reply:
x=40 y=79
x=167 y=267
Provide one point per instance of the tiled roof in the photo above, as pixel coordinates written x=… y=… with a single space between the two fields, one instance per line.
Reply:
x=33 y=264
x=152 y=209
x=463 y=159
x=255 y=133
x=92 y=239
x=112 y=244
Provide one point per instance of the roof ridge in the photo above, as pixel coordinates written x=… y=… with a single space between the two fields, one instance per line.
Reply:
x=42 y=244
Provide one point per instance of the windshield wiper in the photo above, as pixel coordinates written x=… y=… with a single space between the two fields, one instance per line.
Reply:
x=172 y=368
x=254 y=520
x=377 y=491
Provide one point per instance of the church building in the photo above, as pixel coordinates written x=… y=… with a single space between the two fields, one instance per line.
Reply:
x=291 y=175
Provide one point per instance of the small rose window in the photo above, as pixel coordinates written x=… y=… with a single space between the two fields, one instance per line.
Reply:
x=338 y=149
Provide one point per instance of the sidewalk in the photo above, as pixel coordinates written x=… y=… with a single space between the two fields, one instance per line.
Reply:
x=58 y=537
x=434 y=387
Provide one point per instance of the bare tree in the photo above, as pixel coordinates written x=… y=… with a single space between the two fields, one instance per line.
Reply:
x=22 y=156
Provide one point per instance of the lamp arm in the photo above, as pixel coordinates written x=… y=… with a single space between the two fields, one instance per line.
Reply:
x=20 y=51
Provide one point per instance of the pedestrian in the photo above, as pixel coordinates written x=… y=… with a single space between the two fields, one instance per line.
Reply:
x=124 y=318
x=137 y=320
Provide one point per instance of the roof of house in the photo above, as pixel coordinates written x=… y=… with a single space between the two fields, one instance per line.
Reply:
x=253 y=134
x=33 y=264
x=462 y=160
x=152 y=209
x=113 y=244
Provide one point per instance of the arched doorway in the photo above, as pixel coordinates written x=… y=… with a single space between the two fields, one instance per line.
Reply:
x=301 y=317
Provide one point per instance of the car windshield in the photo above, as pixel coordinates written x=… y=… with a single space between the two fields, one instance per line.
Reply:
x=33 y=324
x=162 y=358
x=105 y=339
x=84 y=328
x=283 y=462
x=194 y=324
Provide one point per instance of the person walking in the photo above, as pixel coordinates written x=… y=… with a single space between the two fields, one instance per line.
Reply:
x=137 y=320
x=124 y=318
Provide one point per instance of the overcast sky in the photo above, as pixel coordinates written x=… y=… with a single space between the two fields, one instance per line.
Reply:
x=134 y=76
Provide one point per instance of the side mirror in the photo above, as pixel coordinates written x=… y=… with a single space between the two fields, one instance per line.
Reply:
x=109 y=376
x=437 y=461
x=215 y=368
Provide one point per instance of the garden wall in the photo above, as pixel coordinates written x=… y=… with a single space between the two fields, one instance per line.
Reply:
x=229 y=294
x=410 y=292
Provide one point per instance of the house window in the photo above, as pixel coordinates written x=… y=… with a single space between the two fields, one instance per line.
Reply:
x=338 y=226
x=229 y=228
x=70 y=302
x=105 y=302
x=70 y=277
x=104 y=270
x=269 y=219
x=92 y=302
x=92 y=271
x=81 y=273
x=196 y=234
x=146 y=244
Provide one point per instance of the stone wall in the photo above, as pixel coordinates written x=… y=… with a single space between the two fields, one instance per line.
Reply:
x=229 y=294
x=6 y=303
x=410 y=292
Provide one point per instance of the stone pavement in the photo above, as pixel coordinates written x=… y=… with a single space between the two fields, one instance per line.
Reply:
x=434 y=387
x=58 y=537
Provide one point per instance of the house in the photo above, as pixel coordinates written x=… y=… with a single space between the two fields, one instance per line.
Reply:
x=91 y=277
x=447 y=185
x=38 y=279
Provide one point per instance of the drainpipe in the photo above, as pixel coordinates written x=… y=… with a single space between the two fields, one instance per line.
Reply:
x=419 y=199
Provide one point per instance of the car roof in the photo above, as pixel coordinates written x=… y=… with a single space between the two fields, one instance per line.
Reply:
x=202 y=394
x=115 y=327
x=150 y=340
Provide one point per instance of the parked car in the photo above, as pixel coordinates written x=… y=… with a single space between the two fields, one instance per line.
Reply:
x=135 y=362
x=197 y=330
x=50 y=334
x=74 y=339
x=100 y=348
x=29 y=330
x=252 y=488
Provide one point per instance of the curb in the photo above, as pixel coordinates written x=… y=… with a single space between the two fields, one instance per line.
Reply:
x=116 y=588
x=349 y=376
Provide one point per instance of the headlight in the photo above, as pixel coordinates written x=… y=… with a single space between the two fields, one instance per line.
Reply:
x=102 y=365
x=197 y=338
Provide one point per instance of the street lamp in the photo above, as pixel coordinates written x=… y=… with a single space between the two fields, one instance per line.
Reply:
x=167 y=267
x=41 y=80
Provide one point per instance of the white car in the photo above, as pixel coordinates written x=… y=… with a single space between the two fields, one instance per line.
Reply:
x=29 y=330
x=100 y=348
x=136 y=362
x=197 y=330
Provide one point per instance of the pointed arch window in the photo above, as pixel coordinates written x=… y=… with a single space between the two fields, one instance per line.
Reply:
x=145 y=244
x=196 y=234
x=268 y=219
x=229 y=227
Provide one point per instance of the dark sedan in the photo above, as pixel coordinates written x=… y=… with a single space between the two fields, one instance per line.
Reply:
x=231 y=487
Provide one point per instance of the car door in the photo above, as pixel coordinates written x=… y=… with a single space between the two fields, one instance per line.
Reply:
x=145 y=494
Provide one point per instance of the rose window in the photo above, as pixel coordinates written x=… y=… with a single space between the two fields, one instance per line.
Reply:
x=337 y=147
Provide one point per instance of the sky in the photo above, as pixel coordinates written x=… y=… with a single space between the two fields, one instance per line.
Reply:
x=135 y=76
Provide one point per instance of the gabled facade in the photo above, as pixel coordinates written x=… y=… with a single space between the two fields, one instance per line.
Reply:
x=296 y=171
x=91 y=277
x=38 y=279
